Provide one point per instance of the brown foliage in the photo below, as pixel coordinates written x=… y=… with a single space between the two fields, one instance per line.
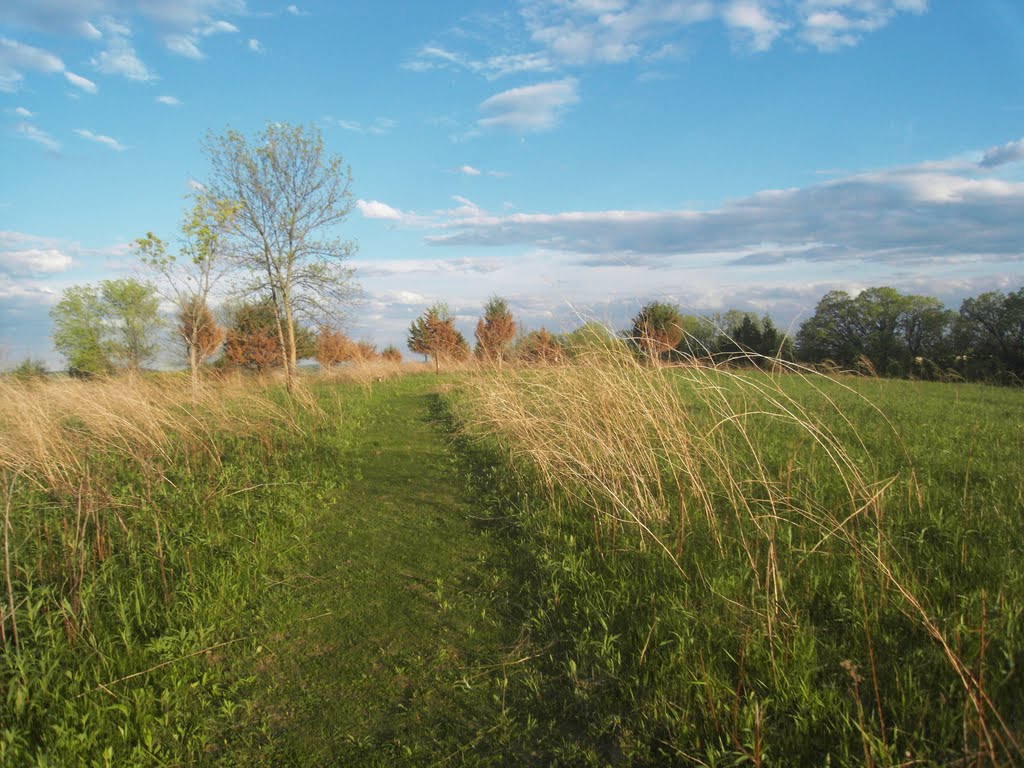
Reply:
x=258 y=350
x=200 y=331
x=333 y=347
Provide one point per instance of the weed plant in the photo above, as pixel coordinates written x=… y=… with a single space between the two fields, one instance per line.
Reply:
x=734 y=566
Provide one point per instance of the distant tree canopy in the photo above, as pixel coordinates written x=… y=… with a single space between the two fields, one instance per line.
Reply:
x=253 y=341
x=891 y=332
x=989 y=335
x=100 y=329
x=433 y=334
x=494 y=331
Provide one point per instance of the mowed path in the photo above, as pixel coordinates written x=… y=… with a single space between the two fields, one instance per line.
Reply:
x=389 y=650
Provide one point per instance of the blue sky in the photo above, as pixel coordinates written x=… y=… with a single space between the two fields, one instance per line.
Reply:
x=578 y=157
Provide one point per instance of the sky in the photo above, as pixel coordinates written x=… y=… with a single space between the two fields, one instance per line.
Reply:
x=577 y=157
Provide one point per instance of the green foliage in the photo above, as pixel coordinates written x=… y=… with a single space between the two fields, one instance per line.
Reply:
x=132 y=309
x=29 y=370
x=895 y=334
x=641 y=655
x=100 y=329
x=990 y=334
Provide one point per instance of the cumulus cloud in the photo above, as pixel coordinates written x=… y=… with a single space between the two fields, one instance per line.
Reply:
x=530 y=108
x=467 y=170
x=23 y=254
x=39 y=136
x=170 y=101
x=374 y=209
x=22 y=112
x=99 y=138
x=255 y=45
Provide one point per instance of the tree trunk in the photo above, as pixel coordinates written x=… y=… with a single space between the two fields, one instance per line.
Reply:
x=292 y=370
x=193 y=361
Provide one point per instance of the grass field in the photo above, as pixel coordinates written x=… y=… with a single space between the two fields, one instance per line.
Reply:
x=588 y=564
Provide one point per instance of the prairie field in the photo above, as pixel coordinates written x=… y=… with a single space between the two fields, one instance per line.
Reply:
x=591 y=563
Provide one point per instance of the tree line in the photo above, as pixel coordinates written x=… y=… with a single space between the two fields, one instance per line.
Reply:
x=880 y=331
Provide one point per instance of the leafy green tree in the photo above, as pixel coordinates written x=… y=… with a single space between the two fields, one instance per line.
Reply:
x=657 y=329
x=79 y=325
x=133 y=318
x=494 y=331
x=832 y=332
x=112 y=326
x=287 y=196
x=433 y=334
x=990 y=334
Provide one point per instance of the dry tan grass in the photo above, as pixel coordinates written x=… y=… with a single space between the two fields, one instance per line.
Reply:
x=648 y=448
x=49 y=430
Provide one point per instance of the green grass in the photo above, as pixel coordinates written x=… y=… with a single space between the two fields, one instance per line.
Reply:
x=381 y=587
x=680 y=657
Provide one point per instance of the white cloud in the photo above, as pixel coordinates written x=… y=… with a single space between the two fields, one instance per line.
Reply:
x=829 y=25
x=23 y=254
x=751 y=20
x=294 y=10
x=120 y=58
x=99 y=138
x=467 y=170
x=219 y=27
x=17 y=58
x=196 y=186
x=170 y=101
x=530 y=108
x=39 y=136
x=548 y=35
x=379 y=127
x=22 y=112
x=374 y=209
x=183 y=45
x=80 y=82
x=255 y=45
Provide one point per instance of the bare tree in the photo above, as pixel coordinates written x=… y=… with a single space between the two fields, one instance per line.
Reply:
x=287 y=196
